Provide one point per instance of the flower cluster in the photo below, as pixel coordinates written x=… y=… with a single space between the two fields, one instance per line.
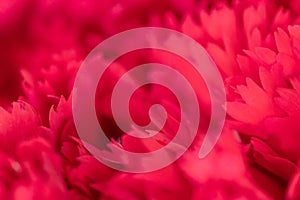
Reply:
x=256 y=46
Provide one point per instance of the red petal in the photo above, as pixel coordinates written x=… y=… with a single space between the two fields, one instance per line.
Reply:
x=289 y=101
x=255 y=39
x=283 y=42
x=191 y=28
x=243 y=112
x=264 y=156
x=288 y=64
x=265 y=55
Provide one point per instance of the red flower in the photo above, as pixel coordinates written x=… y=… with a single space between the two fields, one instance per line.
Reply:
x=44 y=87
x=261 y=81
x=188 y=177
x=30 y=167
x=268 y=108
x=263 y=87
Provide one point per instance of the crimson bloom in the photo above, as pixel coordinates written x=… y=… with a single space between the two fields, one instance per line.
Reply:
x=256 y=46
x=275 y=112
x=30 y=167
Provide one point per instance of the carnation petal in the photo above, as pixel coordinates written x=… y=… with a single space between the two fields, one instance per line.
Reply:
x=283 y=42
x=265 y=55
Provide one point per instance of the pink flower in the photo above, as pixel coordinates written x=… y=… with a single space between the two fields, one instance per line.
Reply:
x=44 y=87
x=256 y=46
x=30 y=167
x=244 y=25
x=188 y=177
x=261 y=81
x=267 y=109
